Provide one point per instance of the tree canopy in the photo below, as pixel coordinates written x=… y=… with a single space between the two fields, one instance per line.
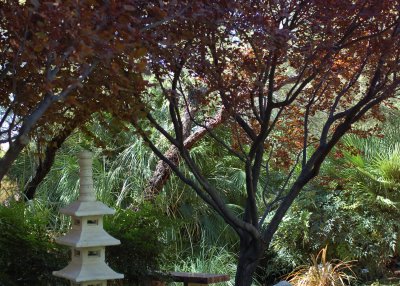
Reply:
x=288 y=78
x=291 y=77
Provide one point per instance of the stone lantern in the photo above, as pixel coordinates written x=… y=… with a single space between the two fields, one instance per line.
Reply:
x=87 y=238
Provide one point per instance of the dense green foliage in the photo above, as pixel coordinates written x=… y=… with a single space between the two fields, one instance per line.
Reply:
x=353 y=208
x=28 y=252
x=243 y=101
x=143 y=243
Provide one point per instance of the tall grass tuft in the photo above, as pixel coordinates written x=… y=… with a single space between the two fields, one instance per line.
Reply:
x=322 y=272
x=206 y=259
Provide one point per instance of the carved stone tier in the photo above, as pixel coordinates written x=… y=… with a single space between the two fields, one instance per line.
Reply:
x=88 y=265
x=87 y=232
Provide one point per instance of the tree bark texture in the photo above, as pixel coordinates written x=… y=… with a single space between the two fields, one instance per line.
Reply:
x=250 y=253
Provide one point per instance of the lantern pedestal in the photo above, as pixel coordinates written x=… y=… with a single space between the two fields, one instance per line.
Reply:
x=87 y=238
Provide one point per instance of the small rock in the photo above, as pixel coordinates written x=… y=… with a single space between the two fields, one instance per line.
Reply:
x=283 y=283
x=364 y=271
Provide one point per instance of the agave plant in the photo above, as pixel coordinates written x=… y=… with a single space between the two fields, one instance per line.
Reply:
x=322 y=272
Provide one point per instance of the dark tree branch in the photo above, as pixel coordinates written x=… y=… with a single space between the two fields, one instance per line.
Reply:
x=22 y=139
x=45 y=165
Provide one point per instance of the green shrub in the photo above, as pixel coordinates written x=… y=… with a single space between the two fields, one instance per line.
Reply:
x=142 y=234
x=28 y=254
x=354 y=226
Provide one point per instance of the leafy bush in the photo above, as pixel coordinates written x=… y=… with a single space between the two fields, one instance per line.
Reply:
x=28 y=254
x=354 y=225
x=142 y=233
x=273 y=266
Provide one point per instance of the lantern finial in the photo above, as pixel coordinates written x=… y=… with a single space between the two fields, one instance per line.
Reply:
x=86 y=192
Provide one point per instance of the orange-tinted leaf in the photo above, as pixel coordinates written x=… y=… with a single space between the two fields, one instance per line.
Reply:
x=140 y=52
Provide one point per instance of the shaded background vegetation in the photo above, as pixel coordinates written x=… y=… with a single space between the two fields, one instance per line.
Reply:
x=353 y=208
x=308 y=71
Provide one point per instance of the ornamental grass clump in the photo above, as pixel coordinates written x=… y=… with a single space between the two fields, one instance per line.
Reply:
x=322 y=272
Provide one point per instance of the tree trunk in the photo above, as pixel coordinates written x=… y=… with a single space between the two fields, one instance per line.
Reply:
x=11 y=155
x=31 y=120
x=44 y=166
x=250 y=253
x=22 y=140
x=162 y=172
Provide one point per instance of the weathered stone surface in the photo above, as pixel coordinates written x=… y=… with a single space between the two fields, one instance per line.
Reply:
x=283 y=283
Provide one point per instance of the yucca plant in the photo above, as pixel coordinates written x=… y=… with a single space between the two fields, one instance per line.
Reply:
x=322 y=272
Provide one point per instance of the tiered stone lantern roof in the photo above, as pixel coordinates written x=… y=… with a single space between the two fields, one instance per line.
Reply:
x=87 y=238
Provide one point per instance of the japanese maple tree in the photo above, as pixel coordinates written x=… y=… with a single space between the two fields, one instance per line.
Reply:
x=288 y=77
x=61 y=62
x=291 y=78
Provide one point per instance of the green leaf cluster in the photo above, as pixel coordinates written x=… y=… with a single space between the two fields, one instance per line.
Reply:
x=28 y=253
x=141 y=231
